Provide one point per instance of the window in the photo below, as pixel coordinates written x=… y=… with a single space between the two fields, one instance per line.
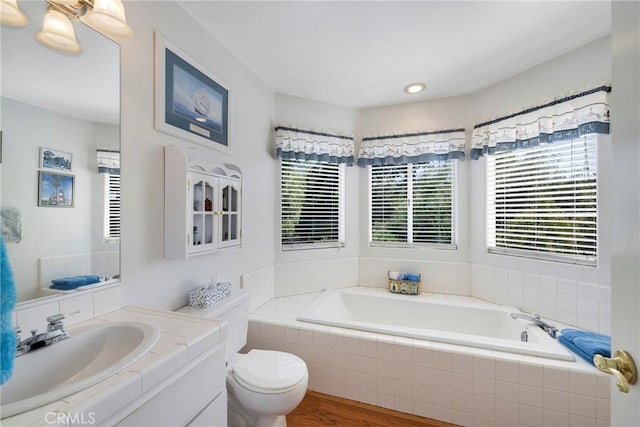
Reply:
x=111 y=207
x=312 y=204
x=413 y=204
x=542 y=202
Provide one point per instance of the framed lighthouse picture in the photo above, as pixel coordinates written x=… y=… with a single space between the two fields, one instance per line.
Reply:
x=191 y=103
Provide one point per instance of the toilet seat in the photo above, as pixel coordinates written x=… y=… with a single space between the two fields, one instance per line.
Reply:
x=265 y=371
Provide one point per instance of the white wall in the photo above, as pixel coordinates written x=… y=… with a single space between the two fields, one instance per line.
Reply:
x=442 y=270
x=50 y=231
x=316 y=269
x=576 y=295
x=573 y=294
x=148 y=278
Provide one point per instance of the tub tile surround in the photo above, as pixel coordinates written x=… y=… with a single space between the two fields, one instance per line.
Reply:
x=183 y=339
x=437 y=277
x=457 y=384
x=578 y=304
x=260 y=283
x=292 y=278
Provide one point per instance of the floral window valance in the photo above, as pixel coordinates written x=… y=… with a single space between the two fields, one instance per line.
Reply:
x=304 y=144
x=108 y=161
x=417 y=147
x=560 y=120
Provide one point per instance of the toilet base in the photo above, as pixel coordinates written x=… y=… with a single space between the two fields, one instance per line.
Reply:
x=238 y=417
x=278 y=421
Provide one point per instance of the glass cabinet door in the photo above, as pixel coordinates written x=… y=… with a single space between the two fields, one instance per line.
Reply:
x=203 y=232
x=229 y=212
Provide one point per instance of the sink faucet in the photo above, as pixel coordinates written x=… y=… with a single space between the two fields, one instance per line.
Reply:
x=55 y=332
x=535 y=318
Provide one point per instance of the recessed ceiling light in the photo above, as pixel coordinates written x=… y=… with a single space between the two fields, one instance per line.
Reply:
x=415 y=87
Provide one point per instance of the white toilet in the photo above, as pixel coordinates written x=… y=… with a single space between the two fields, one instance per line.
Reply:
x=262 y=385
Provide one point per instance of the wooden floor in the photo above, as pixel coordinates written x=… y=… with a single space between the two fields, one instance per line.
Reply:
x=322 y=410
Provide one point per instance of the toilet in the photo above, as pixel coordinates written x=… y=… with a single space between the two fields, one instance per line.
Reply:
x=263 y=386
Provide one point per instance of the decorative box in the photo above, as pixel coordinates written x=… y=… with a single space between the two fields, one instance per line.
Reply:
x=404 y=283
x=206 y=297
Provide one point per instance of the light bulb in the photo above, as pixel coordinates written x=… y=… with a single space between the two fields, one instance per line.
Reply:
x=414 y=88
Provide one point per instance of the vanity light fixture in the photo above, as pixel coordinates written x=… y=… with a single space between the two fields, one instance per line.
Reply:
x=58 y=33
x=414 y=88
x=11 y=14
x=105 y=16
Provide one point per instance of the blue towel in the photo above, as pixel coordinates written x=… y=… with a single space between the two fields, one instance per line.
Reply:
x=586 y=344
x=74 y=282
x=7 y=303
x=412 y=277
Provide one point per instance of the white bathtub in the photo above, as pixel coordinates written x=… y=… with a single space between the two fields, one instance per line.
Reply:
x=472 y=324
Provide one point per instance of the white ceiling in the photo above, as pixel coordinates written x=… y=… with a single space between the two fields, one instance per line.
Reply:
x=361 y=54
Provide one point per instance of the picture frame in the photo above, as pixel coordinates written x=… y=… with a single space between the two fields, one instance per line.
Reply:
x=56 y=189
x=191 y=103
x=55 y=159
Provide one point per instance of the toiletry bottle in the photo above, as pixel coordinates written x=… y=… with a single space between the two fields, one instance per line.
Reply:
x=196 y=236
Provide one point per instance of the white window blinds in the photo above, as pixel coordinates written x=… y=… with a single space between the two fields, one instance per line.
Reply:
x=413 y=204
x=312 y=204
x=111 y=207
x=542 y=202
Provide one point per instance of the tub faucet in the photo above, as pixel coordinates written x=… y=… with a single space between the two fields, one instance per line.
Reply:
x=535 y=318
x=55 y=332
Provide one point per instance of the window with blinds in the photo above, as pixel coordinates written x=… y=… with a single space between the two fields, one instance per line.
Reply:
x=111 y=207
x=413 y=204
x=542 y=202
x=312 y=204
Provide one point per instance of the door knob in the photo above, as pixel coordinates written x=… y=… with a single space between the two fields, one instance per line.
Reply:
x=621 y=366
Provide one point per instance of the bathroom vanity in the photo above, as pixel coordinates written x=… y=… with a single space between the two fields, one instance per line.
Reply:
x=180 y=380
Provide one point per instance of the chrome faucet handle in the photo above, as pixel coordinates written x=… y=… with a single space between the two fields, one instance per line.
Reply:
x=55 y=320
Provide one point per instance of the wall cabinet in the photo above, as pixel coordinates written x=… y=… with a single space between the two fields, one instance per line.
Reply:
x=203 y=205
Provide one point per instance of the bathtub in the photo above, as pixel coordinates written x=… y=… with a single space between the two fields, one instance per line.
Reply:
x=473 y=324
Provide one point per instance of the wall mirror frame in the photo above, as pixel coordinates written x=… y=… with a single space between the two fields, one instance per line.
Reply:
x=56 y=112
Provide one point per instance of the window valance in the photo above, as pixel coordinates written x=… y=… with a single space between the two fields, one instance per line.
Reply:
x=560 y=120
x=417 y=147
x=301 y=144
x=108 y=161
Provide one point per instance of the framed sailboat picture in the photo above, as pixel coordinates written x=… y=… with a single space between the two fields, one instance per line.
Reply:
x=191 y=103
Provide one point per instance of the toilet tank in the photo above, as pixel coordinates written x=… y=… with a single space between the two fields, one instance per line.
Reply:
x=235 y=310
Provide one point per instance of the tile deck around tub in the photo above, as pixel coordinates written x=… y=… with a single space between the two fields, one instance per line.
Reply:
x=462 y=385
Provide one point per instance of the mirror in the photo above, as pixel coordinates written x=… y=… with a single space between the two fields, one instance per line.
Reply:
x=56 y=112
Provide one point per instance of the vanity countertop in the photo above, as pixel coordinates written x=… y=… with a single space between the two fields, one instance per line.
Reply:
x=183 y=338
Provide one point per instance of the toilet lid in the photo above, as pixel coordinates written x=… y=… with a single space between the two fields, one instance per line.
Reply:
x=269 y=370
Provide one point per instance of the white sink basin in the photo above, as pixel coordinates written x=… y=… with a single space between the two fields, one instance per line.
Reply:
x=90 y=355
